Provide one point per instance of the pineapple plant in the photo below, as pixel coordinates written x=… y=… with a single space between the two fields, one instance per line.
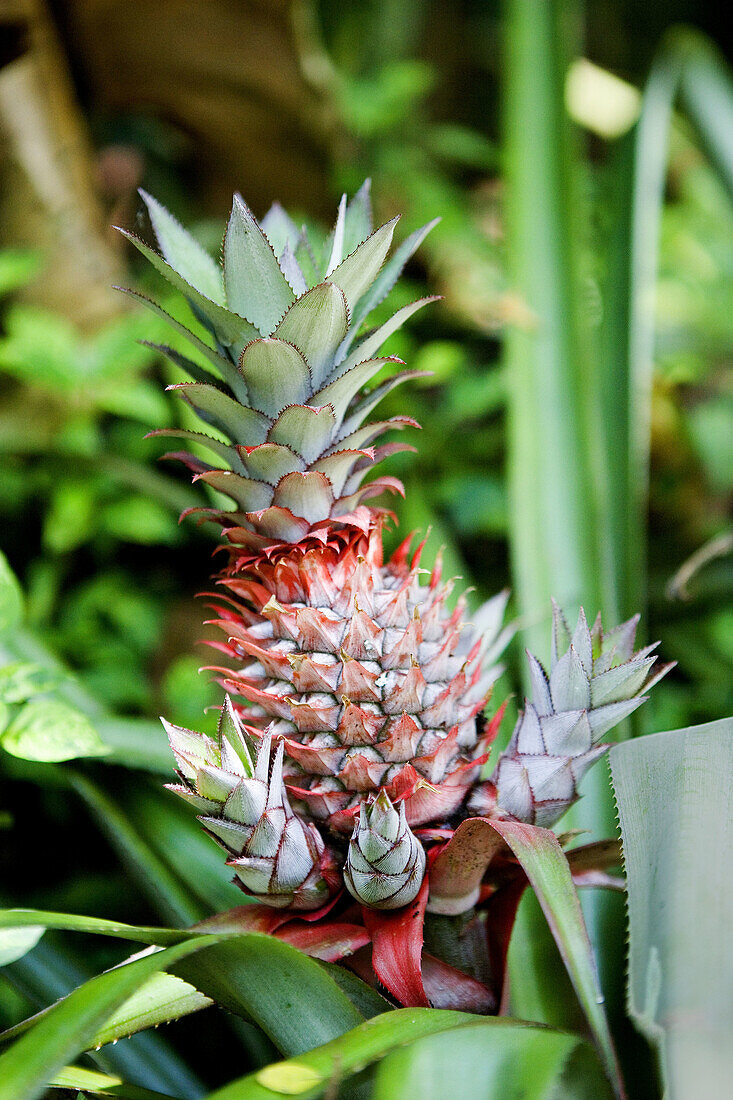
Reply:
x=353 y=733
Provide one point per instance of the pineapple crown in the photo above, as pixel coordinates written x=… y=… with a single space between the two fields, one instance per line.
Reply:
x=284 y=375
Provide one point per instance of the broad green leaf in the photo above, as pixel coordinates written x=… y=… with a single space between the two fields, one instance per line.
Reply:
x=101 y=1084
x=290 y=996
x=309 y=1074
x=547 y=869
x=30 y=1063
x=161 y=999
x=11 y=597
x=675 y=798
x=492 y=1060
x=256 y=287
x=316 y=1072
x=136 y=743
x=316 y=324
x=363 y=996
x=276 y=375
x=184 y=253
x=16 y=941
x=50 y=730
x=21 y=680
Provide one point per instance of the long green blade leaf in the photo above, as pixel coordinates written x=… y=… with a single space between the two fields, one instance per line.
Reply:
x=30 y=1063
x=675 y=799
x=548 y=871
x=498 y=1060
x=315 y=1072
x=295 y=1002
x=101 y=1084
x=11 y=919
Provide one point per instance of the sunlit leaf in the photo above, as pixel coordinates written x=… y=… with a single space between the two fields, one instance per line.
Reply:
x=50 y=730
x=11 y=598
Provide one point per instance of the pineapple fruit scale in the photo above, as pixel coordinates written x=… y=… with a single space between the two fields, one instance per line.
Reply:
x=360 y=694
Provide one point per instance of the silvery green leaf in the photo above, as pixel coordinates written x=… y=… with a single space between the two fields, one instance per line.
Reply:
x=338 y=466
x=271 y=461
x=227 y=453
x=364 y=437
x=250 y=495
x=191 y=748
x=256 y=287
x=242 y=425
x=184 y=253
x=621 y=638
x=579 y=765
x=621 y=682
x=560 y=634
x=279 y=228
x=235 y=758
x=337 y=239
x=567 y=734
x=339 y=394
x=388 y=276
x=358 y=222
x=233 y=836
x=569 y=686
x=513 y=789
x=215 y=783
x=582 y=642
x=540 y=685
x=276 y=375
x=306 y=260
x=247 y=802
x=222 y=364
x=306 y=430
x=551 y=778
x=292 y=271
x=230 y=329
x=528 y=738
x=374 y=340
x=365 y=405
x=294 y=859
x=316 y=325
x=195 y=801
x=308 y=495
x=602 y=719
x=359 y=270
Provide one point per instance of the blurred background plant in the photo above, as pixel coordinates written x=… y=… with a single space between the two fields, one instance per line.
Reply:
x=299 y=101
